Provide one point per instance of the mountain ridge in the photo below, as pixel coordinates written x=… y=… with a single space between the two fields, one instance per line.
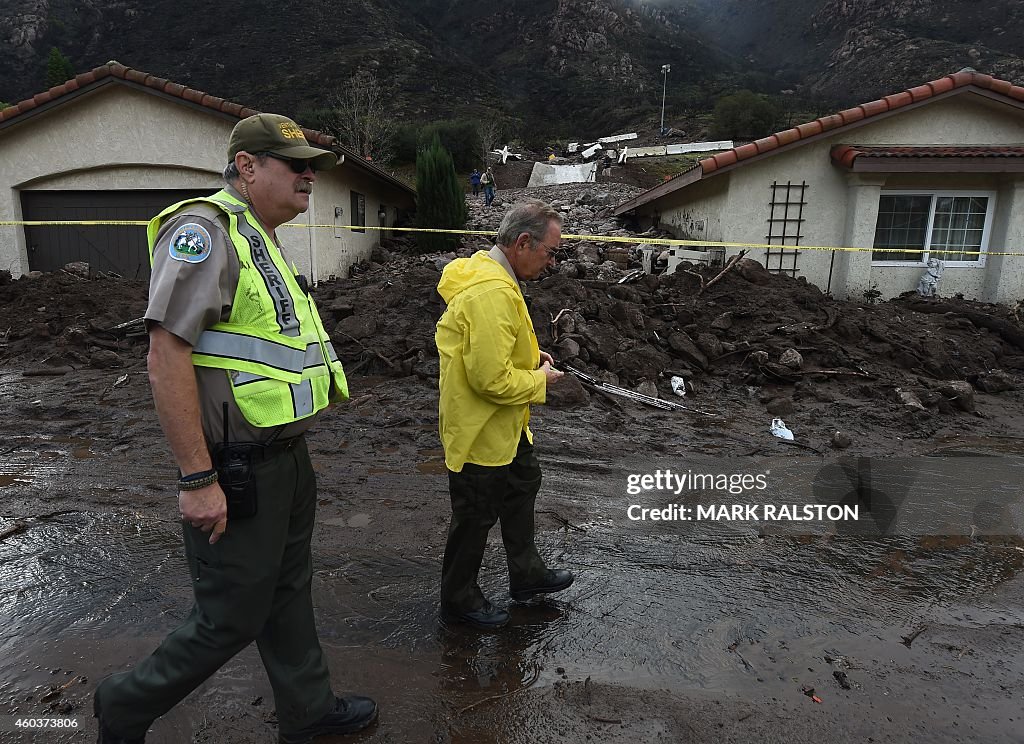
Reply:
x=550 y=67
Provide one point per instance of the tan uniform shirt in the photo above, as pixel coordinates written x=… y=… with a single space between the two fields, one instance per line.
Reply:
x=187 y=298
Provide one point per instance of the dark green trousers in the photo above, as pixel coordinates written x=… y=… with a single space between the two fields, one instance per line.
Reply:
x=252 y=585
x=480 y=497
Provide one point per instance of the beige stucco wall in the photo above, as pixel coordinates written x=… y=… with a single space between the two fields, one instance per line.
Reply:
x=119 y=138
x=737 y=208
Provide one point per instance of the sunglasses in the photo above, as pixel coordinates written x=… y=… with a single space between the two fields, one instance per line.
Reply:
x=297 y=166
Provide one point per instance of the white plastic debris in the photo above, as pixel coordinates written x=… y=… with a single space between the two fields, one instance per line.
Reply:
x=780 y=429
x=678 y=386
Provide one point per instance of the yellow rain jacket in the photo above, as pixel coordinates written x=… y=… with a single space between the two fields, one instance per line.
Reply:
x=489 y=358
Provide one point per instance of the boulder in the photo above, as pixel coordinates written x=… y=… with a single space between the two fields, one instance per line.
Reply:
x=792 y=359
x=568 y=392
x=682 y=346
x=357 y=326
x=959 y=394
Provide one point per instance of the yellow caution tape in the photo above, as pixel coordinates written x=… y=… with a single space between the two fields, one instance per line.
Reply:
x=634 y=240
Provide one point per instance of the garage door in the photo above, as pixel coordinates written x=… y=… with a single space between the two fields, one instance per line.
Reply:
x=118 y=249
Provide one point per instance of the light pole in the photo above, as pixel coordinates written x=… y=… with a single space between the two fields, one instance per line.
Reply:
x=665 y=70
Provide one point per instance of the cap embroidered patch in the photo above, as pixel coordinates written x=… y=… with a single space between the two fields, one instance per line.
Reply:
x=190 y=243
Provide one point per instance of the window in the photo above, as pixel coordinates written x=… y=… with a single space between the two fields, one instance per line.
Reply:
x=949 y=226
x=358 y=210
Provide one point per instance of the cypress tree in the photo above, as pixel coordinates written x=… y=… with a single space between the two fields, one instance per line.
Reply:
x=58 y=68
x=440 y=198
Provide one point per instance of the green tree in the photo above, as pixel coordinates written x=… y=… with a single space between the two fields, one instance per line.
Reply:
x=58 y=68
x=440 y=198
x=744 y=115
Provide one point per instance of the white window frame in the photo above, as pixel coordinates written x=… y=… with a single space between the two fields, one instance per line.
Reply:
x=934 y=193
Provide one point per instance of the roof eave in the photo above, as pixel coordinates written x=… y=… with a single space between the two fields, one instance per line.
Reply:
x=684 y=179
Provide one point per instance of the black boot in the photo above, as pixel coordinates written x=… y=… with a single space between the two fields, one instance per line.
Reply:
x=350 y=714
x=106 y=736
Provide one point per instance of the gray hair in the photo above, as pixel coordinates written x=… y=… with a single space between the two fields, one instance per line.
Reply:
x=231 y=173
x=531 y=216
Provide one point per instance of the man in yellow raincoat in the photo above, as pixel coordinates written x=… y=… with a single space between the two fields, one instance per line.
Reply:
x=492 y=369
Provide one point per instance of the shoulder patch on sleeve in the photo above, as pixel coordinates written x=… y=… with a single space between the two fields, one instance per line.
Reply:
x=190 y=243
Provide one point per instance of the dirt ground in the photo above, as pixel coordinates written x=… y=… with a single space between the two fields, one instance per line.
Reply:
x=672 y=633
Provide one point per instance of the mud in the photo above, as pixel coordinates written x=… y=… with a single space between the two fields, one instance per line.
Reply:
x=673 y=632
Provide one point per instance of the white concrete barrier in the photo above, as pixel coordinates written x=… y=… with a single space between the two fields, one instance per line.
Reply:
x=547 y=175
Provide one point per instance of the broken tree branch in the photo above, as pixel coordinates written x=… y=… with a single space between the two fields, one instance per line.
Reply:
x=728 y=267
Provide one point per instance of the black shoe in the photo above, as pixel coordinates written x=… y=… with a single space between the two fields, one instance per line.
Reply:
x=487 y=617
x=106 y=736
x=350 y=714
x=555 y=580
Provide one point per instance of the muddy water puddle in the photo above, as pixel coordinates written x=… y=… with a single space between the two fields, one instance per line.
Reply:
x=729 y=607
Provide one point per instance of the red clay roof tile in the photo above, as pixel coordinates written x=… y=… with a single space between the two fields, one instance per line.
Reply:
x=809 y=129
x=786 y=136
x=941 y=85
x=708 y=165
x=872 y=108
x=766 y=143
x=963 y=77
x=728 y=157
x=851 y=115
x=1001 y=86
x=745 y=151
x=920 y=92
x=193 y=95
x=898 y=99
x=135 y=76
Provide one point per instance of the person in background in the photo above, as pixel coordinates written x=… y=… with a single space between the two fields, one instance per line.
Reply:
x=491 y=370
x=487 y=181
x=474 y=181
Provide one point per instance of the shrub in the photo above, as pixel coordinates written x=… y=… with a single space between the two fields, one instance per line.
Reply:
x=744 y=115
x=440 y=198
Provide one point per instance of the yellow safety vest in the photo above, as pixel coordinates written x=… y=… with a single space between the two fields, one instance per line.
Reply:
x=277 y=355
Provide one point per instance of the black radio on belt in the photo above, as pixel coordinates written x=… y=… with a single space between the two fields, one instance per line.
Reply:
x=303 y=283
x=236 y=473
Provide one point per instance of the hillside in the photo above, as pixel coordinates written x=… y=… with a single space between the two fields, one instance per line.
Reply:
x=556 y=67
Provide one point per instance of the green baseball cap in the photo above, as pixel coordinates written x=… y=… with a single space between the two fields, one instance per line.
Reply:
x=279 y=135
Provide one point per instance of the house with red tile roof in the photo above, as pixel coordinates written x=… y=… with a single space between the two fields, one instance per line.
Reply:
x=120 y=144
x=934 y=172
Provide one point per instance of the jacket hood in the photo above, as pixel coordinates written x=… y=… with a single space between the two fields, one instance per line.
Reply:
x=463 y=273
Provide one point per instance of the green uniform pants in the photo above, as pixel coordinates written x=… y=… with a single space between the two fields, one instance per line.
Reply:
x=480 y=497
x=252 y=585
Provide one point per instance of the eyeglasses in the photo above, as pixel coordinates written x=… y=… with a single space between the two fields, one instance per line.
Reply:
x=552 y=252
x=297 y=166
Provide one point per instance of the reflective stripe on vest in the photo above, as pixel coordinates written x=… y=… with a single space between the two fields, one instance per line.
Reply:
x=229 y=345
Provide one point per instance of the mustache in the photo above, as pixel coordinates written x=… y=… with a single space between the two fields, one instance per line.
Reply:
x=305 y=187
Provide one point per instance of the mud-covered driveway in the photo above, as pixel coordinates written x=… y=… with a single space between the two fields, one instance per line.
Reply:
x=673 y=632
